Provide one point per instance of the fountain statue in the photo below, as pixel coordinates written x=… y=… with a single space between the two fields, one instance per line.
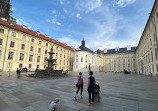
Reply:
x=51 y=60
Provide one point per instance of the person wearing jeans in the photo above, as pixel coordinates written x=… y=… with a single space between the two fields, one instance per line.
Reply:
x=90 y=88
x=80 y=85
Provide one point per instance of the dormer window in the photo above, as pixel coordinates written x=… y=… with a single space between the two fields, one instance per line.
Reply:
x=1 y=30
x=13 y=34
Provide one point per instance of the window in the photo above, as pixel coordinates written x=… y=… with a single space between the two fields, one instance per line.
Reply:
x=40 y=42
x=60 y=55
x=151 y=56
x=31 y=48
x=22 y=46
x=60 y=61
x=128 y=65
x=150 y=42
x=30 y=57
x=64 y=56
x=45 y=51
x=30 y=65
x=56 y=54
x=13 y=34
x=11 y=44
x=24 y=37
x=81 y=59
x=10 y=55
x=9 y=65
x=1 y=40
x=64 y=62
x=157 y=14
x=39 y=50
x=32 y=40
x=0 y=53
x=37 y=66
x=86 y=59
x=156 y=53
x=38 y=59
x=56 y=47
x=20 y=65
x=21 y=57
x=45 y=59
x=1 y=30
x=46 y=44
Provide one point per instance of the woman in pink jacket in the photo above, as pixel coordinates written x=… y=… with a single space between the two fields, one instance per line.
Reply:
x=80 y=84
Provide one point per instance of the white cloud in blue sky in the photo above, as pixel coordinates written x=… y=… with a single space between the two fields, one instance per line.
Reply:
x=124 y=3
x=102 y=23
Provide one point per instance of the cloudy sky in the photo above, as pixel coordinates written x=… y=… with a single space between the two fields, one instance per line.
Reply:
x=101 y=23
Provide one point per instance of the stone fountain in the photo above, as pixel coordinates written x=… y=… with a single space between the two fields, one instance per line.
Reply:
x=49 y=71
x=51 y=60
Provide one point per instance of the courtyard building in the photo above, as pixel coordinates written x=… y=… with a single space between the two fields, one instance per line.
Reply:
x=85 y=59
x=116 y=60
x=146 y=52
x=21 y=47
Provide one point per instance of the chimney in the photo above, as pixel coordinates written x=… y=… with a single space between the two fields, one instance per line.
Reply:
x=105 y=50
x=115 y=49
x=128 y=47
x=25 y=27
x=4 y=19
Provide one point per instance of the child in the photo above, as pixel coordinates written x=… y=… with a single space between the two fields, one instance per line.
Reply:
x=53 y=105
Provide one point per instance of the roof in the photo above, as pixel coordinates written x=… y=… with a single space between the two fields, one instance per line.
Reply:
x=83 y=48
x=15 y=26
x=120 y=50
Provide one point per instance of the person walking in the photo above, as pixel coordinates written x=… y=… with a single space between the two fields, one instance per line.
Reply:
x=90 y=88
x=17 y=72
x=79 y=85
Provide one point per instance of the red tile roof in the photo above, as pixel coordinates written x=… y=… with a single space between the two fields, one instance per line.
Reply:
x=31 y=32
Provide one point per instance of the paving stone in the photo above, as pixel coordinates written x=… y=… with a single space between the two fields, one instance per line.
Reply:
x=119 y=92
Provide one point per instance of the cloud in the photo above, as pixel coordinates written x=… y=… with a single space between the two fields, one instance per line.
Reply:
x=68 y=40
x=124 y=3
x=53 y=11
x=22 y=22
x=62 y=2
x=54 y=21
x=65 y=10
x=88 y=5
x=78 y=15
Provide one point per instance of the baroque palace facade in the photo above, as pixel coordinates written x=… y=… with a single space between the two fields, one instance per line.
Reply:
x=21 y=47
x=147 y=50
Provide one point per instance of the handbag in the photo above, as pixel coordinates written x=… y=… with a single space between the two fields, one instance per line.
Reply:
x=76 y=84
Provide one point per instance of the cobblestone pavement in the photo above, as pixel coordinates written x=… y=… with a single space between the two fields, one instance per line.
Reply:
x=118 y=93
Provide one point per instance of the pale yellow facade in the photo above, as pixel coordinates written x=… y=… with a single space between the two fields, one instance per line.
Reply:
x=146 y=53
x=20 y=50
x=119 y=62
